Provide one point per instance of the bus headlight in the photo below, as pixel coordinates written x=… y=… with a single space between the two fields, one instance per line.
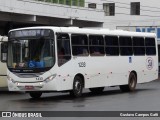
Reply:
x=50 y=78
x=9 y=78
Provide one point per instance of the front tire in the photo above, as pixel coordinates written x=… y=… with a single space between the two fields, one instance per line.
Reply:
x=35 y=95
x=77 y=87
x=132 y=82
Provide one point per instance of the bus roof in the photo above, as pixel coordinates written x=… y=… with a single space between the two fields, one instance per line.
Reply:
x=100 y=31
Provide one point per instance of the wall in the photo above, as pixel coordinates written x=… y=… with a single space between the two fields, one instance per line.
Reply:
x=149 y=13
x=36 y=8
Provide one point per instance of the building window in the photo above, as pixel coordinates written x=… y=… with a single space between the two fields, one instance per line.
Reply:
x=68 y=2
x=92 y=5
x=61 y=1
x=74 y=2
x=81 y=3
x=109 y=9
x=135 y=8
x=55 y=1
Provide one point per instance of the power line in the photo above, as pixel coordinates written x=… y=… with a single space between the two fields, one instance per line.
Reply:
x=140 y=9
x=81 y=8
x=129 y=4
x=131 y=21
x=92 y=9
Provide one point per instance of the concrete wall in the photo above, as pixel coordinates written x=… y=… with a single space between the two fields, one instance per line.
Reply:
x=36 y=12
x=23 y=13
x=36 y=8
x=149 y=14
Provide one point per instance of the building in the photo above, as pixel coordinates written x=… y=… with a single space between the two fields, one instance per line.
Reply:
x=21 y=13
x=131 y=15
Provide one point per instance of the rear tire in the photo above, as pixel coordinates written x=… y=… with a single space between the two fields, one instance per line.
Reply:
x=77 y=87
x=35 y=95
x=96 y=90
x=132 y=82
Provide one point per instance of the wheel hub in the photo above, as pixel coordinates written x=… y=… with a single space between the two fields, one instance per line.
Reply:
x=77 y=86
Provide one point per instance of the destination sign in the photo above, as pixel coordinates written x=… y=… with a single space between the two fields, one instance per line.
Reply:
x=29 y=33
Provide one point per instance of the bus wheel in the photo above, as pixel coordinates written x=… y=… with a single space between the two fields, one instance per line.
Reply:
x=97 y=90
x=77 y=87
x=35 y=95
x=131 y=83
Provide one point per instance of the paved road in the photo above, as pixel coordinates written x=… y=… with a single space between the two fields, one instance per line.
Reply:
x=146 y=97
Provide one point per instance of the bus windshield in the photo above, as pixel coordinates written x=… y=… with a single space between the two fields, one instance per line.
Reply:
x=31 y=53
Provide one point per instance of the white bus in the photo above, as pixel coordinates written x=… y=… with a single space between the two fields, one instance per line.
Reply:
x=69 y=59
x=3 y=57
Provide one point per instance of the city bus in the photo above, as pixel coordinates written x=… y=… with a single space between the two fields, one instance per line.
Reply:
x=71 y=59
x=3 y=57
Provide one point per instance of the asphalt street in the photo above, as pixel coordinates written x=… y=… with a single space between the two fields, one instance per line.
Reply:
x=145 y=98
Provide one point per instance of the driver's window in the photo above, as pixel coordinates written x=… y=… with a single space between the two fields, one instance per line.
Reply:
x=63 y=48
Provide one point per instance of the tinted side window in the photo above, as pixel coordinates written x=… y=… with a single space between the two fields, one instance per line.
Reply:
x=125 y=41
x=149 y=42
x=96 y=43
x=138 y=46
x=63 y=48
x=79 y=44
x=125 y=46
x=150 y=46
x=138 y=41
x=112 y=45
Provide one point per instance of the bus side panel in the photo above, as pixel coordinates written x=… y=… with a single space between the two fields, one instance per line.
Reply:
x=65 y=75
x=3 y=75
x=148 y=74
x=3 y=81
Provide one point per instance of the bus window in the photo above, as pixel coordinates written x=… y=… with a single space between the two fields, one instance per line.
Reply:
x=63 y=48
x=79 y=45
x=96 y=43
x=125 y=46
x=4 y=47
x=150 y=46
x=138 y=46
x=112 y=45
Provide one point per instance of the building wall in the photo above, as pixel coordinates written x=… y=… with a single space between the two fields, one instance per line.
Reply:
x=57 y=13
x=21 y=13
x=28 y=10
x=32 y=7
x=149 y=14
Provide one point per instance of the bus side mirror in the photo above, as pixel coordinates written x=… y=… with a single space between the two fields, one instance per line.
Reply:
x=4 y=49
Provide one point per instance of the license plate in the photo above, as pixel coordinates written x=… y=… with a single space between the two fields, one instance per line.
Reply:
x=29 y=87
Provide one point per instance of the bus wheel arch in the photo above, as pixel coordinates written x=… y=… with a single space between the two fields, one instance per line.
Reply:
x=78 y=85
x=82 y=78
x=132 y=82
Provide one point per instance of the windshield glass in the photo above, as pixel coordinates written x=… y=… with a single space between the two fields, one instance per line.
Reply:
x=32 y=53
